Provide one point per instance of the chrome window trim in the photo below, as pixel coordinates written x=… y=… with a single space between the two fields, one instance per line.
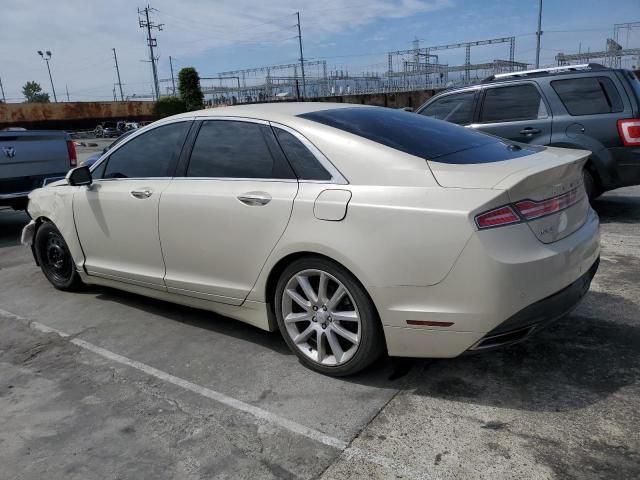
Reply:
x=238 y=179
x=132 y=178
x=336 y=175
x=148 y=128
x=232 y=118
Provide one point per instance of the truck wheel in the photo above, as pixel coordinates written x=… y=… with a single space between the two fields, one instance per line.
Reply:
x=55 y=259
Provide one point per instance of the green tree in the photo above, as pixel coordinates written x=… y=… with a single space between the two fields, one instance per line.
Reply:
x=32 y=91
x=167 y=106
x=189 y=88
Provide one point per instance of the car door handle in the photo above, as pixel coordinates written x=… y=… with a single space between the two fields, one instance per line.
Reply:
x=144 y=193
x=255 y=199
x=529 y=131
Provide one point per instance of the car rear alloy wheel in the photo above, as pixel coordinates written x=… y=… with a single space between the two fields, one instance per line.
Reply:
x=327 y=318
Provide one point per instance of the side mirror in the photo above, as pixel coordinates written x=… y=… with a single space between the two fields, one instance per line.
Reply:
x=79 y=176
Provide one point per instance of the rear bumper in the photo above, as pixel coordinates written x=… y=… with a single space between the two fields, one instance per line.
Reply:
x=16 y=190
x=535 y=317
x=500 y=274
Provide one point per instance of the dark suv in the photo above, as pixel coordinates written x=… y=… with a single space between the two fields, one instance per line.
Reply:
x=588 y=107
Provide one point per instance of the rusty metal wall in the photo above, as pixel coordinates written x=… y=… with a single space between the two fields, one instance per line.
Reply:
x=392 y=100
x=87 y=115
x=72 y=115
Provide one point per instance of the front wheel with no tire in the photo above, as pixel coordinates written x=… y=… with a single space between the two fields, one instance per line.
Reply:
x=327 y=318
x=55 y=258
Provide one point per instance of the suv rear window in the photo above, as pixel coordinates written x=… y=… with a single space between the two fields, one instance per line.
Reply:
x=588 y=96
x=418 y=135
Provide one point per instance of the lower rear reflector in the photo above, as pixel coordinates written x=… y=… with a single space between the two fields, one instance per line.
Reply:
x=429 y=323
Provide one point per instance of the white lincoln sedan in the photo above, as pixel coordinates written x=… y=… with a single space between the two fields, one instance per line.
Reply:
x=353 y=230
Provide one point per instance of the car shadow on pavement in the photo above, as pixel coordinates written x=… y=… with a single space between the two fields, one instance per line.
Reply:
x=386 y=372
x=618 y=208
x=576 y=362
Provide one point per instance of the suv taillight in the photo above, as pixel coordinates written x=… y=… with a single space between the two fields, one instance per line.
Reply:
x=73 y=157
x=629 y=132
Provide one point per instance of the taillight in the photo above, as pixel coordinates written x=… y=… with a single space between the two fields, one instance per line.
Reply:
x=629 y=130
x=530 y=209
x=73 y=156
x=497 y=217
x=526 y=210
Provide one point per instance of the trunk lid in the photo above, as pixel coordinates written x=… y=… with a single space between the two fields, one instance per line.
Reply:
x=545 y=186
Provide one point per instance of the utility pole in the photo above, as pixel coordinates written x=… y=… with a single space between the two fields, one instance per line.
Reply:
x=539 y=34
x=118 y=72
x=66 y=87
x=173 y=80
x=152 y=42
x=4 y=100
x=304 y=82
x=115 y=99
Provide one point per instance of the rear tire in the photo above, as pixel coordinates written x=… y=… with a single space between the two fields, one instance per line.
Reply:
x=591 y=185
x=327 y=318
x=55 y=259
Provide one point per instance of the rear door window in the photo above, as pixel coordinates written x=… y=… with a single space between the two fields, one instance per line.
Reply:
x=455 y=108
x=512 y=103
x=232 y=149
x=588 y=95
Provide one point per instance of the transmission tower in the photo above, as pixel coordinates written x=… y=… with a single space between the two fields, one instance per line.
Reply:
x=151 y=42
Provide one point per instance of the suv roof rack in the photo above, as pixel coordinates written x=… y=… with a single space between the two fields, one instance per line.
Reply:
x=545 y=71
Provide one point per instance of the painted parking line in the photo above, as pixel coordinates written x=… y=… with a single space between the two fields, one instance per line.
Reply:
x=277 y=420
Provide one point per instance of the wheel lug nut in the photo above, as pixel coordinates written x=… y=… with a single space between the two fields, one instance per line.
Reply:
x=324 y=307
x=330 y=319
x=324 y=325
x=315 y=309
x=314 y=319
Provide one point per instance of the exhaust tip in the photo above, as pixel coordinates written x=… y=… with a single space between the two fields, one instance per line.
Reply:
x=502 y=339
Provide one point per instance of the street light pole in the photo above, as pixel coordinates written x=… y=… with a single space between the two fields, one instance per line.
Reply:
x=539 y=34
x=46 y=57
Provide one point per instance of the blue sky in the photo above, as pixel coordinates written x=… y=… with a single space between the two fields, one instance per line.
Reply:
x=216 y=36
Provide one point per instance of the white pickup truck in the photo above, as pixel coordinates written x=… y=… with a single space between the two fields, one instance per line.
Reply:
x=30 y=159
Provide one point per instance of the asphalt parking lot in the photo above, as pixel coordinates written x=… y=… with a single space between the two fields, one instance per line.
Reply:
x=108 y=385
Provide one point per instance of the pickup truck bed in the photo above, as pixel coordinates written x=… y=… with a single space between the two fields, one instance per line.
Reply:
x=31 y=159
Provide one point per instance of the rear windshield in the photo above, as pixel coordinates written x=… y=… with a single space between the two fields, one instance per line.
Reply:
x=418 y=135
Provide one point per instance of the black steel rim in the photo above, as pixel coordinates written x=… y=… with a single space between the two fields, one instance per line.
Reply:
x=56 y=258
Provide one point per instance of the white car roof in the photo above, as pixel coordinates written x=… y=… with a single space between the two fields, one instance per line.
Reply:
x=276 y=112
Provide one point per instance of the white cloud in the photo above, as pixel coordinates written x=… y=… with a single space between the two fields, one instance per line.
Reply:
x=81 y=34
